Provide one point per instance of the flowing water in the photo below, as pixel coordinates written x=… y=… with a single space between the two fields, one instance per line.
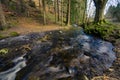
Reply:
x=92 y=54
x=10 y=74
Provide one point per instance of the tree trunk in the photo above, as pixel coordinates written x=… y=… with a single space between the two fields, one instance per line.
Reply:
x=44 y=12
x=2 y=18
x=40 y=5
x=68 y=13
x=61 y=12
x=84 y=14
x=22 y=9
x=100 y=6
x=55 y=9
x=88 y=17
x=58 y=10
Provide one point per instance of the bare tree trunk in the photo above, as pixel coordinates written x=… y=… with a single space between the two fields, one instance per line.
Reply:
x=22 y=10
x=2 y=18
x=58 y=10
x=55 y=9
x=20 y=7
x=84 y=14
x=44 y=12
x=40 y=4
x=68 y=13
x=100 y=6
x=61 y=12
x=88 y=17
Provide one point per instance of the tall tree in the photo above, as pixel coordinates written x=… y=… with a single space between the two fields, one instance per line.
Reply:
x=100 y=6
x=89 y=11
x=114 y=12
x=22 y=6
x=73 y=11
x=61 y=12
x=58 y=10
x=55 y=10
x=40 y=4
x=2 y=17
x=77 y=11
x=84 y=14
x=68 y=13
x=44 y=12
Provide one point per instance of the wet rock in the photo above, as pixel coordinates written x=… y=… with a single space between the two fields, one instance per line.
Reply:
x=20 y=40
x=41 y=47
x=64 y=55
x=10 y=74
x=100 y=52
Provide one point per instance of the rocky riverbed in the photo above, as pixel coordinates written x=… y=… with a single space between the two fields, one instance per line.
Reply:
x=61 y=55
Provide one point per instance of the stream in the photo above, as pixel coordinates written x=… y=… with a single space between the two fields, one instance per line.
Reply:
x=79 y=54
x=10 y=74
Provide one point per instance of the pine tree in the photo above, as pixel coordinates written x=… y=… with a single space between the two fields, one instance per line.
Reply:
x=2 y=18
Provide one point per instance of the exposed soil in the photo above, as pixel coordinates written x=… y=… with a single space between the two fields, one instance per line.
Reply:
x=29 y=25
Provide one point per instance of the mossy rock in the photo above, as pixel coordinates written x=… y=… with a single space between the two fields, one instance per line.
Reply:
x=103 y=31
x=13 y=34
x=1 y=36
x=3 y=51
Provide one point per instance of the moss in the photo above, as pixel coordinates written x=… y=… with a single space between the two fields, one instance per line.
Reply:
x=14 y=34
x=1 y=36
x=104 y=30
x=3 y=51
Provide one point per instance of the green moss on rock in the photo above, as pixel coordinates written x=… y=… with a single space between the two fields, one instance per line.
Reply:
x=104 y=31
x=3 y=51
x=14 y=34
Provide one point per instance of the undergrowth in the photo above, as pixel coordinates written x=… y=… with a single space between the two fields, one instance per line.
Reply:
x=104 y=30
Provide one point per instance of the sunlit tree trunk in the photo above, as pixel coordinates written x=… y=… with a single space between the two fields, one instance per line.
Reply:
x=68 y=13
x=100 y=6
x=89 y=11
x=44 y=12
x=2 y=18
x=40 y=4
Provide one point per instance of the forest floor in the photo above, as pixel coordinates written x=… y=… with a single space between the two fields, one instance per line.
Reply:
x=29 y=25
